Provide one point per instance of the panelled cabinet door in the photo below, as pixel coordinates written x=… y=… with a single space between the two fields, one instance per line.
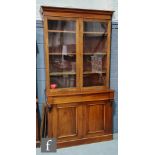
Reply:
x=98 y=118
x=66 y=121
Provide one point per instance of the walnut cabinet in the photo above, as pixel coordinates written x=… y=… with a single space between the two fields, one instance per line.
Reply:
x=77 y=56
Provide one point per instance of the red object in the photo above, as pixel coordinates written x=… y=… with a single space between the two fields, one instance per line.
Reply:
x=53 y=86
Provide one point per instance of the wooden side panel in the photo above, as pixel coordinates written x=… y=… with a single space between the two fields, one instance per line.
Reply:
x=50 y=122
x=108 y=54
x=108 y=118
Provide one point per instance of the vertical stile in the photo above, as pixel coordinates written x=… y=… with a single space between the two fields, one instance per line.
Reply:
x=46 y=52
x=108 y=54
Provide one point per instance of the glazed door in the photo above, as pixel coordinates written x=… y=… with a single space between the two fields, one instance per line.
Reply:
x=62 y=53
x=78 y=53
x=95 y=53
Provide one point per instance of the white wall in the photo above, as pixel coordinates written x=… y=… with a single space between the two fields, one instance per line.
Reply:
x=83 y=4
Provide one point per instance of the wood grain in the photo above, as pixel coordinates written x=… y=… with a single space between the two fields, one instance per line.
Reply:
x=79 y=115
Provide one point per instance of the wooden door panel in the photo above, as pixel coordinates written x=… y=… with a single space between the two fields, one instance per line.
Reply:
x=97 y=118
x=67 y=121
x=94 y=118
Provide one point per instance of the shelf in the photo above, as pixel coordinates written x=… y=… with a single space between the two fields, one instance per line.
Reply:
x=62 y=73
x=61 y=31
x=98 y=33
x=62 y=54
x=75 y=54
x=94 y=53
x=89 y=72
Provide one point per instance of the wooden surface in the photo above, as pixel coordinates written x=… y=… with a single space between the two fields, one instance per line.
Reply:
x=72 y=120
x=79 y=115
x=80 y=141
x=74 y=12
x=108 y=54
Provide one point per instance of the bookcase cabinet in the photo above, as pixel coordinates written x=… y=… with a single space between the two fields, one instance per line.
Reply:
x=77 y=56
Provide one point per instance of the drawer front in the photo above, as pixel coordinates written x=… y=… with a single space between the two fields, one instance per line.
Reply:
x=80 y=98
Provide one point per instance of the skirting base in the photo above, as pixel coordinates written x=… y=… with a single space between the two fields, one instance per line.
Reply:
x=84 y=141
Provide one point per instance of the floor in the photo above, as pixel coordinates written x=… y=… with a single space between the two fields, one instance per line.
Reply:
x=100 y=148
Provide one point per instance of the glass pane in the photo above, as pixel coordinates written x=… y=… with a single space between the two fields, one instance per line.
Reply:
x=62 y=63
x=62 y=59
x=94 y=63
x=94 y=80
x=61 y=25
x=94 y=70
x=95 y=26
x=94 y=54
x=62 y=43
x=63 y=81
x=95 y=43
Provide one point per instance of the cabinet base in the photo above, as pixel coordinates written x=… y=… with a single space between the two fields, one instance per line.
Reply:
x=84 y=141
